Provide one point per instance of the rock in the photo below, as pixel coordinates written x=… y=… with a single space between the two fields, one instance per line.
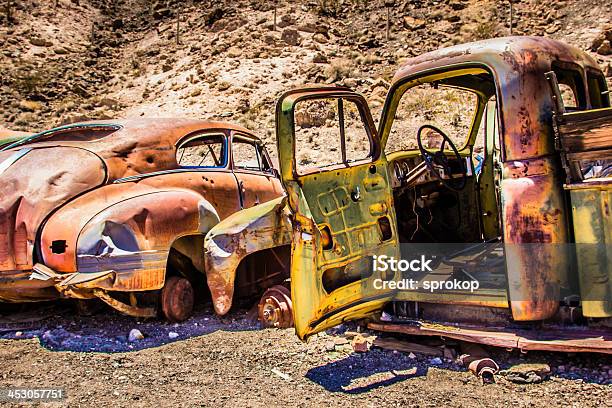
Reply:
x=553 y=29
x=39 y=42
x=379 y=82
x=228 y=25
x=162 y=13
x=234 y=52
x=18 y=334
x=605 y=48
x=457 y=5
x=285 y=21
x=330 y=345
x=320 y=38
x=244 y=105
x=435 y=361
x=360 y=344
x=109 y=103
x=117 y=24
x=368 y=42
x=269 y=39
x=527 y=373
x=412 y=356
x=61 y=51
x=223 y=85
x=135 y=335
x=307 y=28
x=412 y=23
x=173 y=335
x=339 y=341
x=29 y=106
x=291 y=36
x=319 y=59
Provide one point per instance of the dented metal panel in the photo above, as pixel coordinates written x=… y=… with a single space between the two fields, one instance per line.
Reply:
x=238 y=236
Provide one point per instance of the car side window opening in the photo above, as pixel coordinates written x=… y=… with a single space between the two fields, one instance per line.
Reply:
x=202 y=151
x=248 y=155
x=329 y=132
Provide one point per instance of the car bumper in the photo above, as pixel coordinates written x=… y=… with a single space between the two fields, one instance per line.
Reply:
x=17 y=287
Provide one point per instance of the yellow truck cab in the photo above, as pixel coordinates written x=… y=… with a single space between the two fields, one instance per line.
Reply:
x=491 y=164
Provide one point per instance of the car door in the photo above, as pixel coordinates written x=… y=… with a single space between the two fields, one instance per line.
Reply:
x=343 y=212
x=203 y=166
x=257 y=180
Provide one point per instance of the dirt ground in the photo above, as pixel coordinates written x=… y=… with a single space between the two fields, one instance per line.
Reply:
x=232 y=362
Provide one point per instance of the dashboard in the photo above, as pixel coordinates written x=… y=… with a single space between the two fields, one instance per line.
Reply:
x=400 y=168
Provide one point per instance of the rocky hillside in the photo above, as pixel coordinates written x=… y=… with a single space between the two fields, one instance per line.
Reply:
x=66 y=60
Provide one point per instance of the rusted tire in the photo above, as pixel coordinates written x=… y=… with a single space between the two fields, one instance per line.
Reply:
x=275 y=308
x=177 y=299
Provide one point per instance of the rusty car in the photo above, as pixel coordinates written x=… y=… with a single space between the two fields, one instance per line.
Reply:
x=118 y=210
x=507 y=171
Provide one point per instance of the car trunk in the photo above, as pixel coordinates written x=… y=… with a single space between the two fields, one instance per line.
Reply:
x=34 y=182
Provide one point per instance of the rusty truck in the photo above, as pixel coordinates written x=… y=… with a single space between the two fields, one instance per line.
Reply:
x=498 y=153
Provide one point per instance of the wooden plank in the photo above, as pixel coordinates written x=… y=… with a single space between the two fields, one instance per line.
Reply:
x=586 y=131
x=545 y=339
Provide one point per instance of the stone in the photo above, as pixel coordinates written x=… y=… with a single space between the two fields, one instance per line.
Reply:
x=135 y=335
x=285 y=21
x=605 y=48
x=320 y=59
x=360 y=344
x=435 y=361
x=457 y=5
x=307 y=28
x=39 y=42
x=339 y=341
x=412 y=23
x=234 y=52
x=320 y=38
x=173 y=335
x=528 y=373
x=162 y=13
x=224 y=86
x=291 y=36
x=29 y=106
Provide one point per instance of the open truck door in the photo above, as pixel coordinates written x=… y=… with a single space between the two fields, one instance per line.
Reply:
x=342 y=209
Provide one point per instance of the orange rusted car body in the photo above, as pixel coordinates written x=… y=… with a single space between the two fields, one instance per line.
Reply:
x=98 y=208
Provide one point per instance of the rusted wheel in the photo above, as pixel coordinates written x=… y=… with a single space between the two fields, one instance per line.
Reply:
x=177 y=299
x=275 y=308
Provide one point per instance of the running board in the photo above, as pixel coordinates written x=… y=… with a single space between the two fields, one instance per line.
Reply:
x=569 y=340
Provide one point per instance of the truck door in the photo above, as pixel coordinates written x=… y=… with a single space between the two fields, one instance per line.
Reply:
x=339 y=191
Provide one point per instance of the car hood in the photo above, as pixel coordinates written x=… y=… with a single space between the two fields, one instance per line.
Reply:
x=34 y=182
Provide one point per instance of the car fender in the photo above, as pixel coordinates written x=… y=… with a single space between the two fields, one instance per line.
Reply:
x=126 y=233
x=245 y=232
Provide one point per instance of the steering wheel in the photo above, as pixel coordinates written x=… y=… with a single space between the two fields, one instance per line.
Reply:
x=438 y=158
